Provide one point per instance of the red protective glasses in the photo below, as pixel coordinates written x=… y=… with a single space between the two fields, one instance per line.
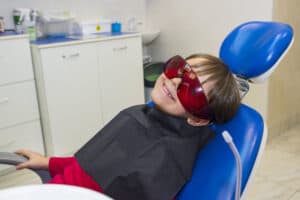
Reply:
x=190 y=91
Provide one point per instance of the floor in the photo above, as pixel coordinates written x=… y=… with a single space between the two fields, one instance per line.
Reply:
x=278 y=174
x=277 y=177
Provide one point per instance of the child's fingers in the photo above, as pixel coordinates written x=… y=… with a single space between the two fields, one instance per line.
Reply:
x=24 y=152
x=21 y=152
x=22 y=165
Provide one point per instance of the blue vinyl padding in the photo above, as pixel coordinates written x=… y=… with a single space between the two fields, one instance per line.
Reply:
x=252 y=48
x=214 y=175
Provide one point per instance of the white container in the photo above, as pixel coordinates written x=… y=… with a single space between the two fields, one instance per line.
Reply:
x=92 y=27
x=57 y=27
x=57 y=23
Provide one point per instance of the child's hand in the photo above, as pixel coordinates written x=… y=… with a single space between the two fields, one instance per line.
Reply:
x=36 y=160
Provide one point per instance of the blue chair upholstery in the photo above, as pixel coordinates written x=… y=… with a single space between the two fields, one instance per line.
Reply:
x=255 y=43
x=214 y=175
x=253 y=48
x=250 y=50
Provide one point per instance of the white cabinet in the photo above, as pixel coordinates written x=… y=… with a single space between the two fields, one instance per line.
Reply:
x=83 y=85
x=121 y=75
x=19 y=113
x=68 y=89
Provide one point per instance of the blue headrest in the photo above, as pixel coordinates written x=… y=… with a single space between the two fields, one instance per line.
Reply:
x=253 y=48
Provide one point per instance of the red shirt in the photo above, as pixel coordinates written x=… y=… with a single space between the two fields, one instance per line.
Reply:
x=67 y=171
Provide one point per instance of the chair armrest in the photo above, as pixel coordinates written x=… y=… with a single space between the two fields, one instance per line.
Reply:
x=15 y=159
x=11 y=158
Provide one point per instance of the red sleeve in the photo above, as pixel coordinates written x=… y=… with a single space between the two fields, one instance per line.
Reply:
x=57 y=164
x=68 y=171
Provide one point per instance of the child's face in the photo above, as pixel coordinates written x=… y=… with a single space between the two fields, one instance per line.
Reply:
x=164 y=93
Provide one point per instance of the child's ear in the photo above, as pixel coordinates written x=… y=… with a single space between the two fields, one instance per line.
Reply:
x=195 y=121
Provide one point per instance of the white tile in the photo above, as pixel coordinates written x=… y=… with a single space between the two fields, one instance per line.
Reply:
x=264 y=189
x=287 y=142
x=280 y=166
x=278 y=173
x=296 y=196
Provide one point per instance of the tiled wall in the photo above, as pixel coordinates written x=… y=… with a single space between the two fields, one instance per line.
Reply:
x=284 y=93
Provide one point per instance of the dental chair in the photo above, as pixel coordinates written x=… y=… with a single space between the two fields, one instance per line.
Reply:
x=252 y=51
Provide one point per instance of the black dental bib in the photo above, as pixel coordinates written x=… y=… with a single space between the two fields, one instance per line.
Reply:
x=143 y=154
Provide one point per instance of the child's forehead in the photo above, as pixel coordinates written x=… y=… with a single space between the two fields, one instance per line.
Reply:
x=196 y=61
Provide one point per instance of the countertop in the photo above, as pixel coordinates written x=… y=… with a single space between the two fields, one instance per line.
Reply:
x=71 y=39
x=11 y=35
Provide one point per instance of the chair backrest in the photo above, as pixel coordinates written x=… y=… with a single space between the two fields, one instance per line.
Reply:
x=251 y=50
x=214 y=175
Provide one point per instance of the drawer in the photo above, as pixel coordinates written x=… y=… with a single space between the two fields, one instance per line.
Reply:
x=18 y=104
x=15 y=61
x=24 y=136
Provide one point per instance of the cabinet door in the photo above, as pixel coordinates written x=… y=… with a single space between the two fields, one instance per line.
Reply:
x=15 y=61
x=121 y=72
x=72 y=97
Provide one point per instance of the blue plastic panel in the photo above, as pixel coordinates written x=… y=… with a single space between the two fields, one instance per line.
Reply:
x=253 y=48
x=214 y=175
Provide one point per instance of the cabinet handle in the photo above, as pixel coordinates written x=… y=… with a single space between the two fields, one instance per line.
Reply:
x=120 y=48
x=3 y=147
x=74 y=55
x=4 y=100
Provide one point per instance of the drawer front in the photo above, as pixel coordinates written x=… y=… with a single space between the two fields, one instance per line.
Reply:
x=18 y=104
x=24 y=136
x=15 y=61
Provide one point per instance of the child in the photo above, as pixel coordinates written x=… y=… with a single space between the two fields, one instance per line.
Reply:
x=148 y=153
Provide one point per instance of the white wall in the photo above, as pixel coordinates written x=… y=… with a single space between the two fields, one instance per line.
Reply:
x=186 y=26
x=83 y=9
x=200 y=26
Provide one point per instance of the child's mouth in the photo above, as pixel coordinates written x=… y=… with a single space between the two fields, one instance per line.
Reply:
x=167 y=92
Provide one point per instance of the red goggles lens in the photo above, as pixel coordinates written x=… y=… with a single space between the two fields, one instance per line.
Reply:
x=190 y=91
